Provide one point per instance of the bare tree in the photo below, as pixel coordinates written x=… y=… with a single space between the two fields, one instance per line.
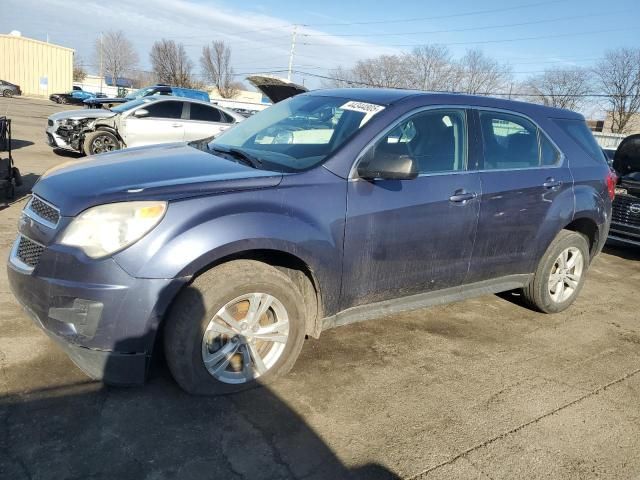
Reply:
x=79 y=73
x=479 y=74
x=430 y=67
x=559 y=88
x=216 y=65
x=384 y=71
x=116 y=54
x=618 y=77
x=171 y=64
x=340 y=77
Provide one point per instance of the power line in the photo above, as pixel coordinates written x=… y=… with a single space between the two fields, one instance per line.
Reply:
x=482 y=42
x=468 y=29
x=437 y=17
x=356 y=82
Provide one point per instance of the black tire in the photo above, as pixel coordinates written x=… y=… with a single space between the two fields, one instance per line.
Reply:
x=7 y=93
x=537 y=293
x=95 y=142
x=17 y=177
x=198 y=304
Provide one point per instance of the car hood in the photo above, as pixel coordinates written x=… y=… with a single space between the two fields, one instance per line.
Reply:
x=276 y=89
x=84 y=113
x=161 y=172
x=626 y=160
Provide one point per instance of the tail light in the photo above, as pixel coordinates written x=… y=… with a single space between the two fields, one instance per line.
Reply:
x=612 y=180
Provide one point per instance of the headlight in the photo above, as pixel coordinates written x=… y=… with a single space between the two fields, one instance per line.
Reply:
x=105 y=229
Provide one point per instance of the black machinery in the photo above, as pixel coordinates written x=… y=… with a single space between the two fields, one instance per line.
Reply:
x=9 y=174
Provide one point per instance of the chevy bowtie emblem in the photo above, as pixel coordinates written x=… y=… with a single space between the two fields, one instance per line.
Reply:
x=634 y=208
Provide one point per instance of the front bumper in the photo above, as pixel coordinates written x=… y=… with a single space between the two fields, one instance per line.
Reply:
x=56 y=141
x=104 y=319
x=624 y=233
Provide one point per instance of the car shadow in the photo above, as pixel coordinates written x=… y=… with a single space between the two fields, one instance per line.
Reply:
x=17 y=143
x=67 y=153
x=627 y=252
x=157 y=431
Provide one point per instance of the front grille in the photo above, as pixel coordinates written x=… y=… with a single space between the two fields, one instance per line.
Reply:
x=29 y=251
x=50 y=122
x=622 y=213
x=44 y=210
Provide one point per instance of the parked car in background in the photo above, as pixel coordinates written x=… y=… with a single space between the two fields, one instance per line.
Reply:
x=625 y=223
x=609 y=153
x=74 y=97
x=145 y=121
x=147 y=92
x=8 y=89
x=235 y=249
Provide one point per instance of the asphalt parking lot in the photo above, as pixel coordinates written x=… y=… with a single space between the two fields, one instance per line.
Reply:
x=481 y=389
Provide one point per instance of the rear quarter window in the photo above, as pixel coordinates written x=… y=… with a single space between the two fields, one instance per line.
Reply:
x=580 y=133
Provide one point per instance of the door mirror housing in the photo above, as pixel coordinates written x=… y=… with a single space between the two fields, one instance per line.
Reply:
x=141 y=113
x=387 y=167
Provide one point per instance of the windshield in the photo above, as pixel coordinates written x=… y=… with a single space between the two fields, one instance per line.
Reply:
x=132 y=104
x=143 y=92
x=299 y=133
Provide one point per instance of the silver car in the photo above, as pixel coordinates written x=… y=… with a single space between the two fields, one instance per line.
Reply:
x=145 y=121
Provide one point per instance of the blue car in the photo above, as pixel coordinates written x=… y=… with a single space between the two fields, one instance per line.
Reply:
x=328 y=208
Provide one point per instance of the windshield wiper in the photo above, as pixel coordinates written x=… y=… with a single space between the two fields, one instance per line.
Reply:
x=240 y=155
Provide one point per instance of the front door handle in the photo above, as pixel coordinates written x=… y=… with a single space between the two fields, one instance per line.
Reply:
x=460 y=196
x=176 y=125
x=552 y=183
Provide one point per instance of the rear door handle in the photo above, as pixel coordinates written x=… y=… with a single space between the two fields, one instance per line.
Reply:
x=176 y=125
x=552 y=183
x=461 y=196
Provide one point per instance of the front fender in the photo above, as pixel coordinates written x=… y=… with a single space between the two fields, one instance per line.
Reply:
x=306 y=222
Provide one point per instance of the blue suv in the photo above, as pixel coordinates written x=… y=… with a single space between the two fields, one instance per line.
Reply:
x=328 y=208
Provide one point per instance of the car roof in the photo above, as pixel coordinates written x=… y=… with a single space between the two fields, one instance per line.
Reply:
x=390 y=96
x=173 y=98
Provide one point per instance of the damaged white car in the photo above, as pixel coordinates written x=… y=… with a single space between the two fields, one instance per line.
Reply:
x=145 y=121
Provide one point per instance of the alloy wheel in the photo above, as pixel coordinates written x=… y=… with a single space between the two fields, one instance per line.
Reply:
x=565 y=275
x=103 y=143
x=245 y=338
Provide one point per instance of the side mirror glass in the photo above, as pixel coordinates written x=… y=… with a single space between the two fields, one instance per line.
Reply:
x=141 y=112
x=387 y=166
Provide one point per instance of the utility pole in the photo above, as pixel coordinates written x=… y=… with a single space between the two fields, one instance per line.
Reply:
x=293 y=49
x=101 y=73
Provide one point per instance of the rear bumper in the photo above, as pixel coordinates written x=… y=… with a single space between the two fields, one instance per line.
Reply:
x=103 y=318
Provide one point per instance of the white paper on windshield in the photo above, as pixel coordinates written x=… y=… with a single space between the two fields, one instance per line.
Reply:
x=369 y=109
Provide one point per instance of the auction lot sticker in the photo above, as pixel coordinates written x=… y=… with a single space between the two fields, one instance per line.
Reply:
x=369 y=109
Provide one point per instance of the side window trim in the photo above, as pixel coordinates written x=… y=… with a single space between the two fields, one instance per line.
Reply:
x=540 y=131
x=464 y=109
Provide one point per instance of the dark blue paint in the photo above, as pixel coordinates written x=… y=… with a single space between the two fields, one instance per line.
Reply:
x=362 y=241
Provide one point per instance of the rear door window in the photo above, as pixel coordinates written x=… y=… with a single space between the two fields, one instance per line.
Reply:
x=169 y=109
x=514 y=142
x=204 y=113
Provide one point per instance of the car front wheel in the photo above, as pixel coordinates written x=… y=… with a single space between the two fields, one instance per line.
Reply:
x=100 y=142
x=235 y=327
x=560 y=274
x=7 y=93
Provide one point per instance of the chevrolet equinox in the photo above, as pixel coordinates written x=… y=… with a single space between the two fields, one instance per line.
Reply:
x=328 y=208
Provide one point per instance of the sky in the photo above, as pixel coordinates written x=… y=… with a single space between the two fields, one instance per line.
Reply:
x=530 y=35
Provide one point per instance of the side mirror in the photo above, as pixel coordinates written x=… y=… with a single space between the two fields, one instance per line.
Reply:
x=387 y=167
x=141 y=113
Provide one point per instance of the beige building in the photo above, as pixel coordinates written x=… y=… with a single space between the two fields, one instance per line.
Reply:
x=633 y=126
x=40 y=68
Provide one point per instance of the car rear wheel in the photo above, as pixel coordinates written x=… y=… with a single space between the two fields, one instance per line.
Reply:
x=235 y=327
x=560 y=274
x=7 y=93
x=100 y=141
